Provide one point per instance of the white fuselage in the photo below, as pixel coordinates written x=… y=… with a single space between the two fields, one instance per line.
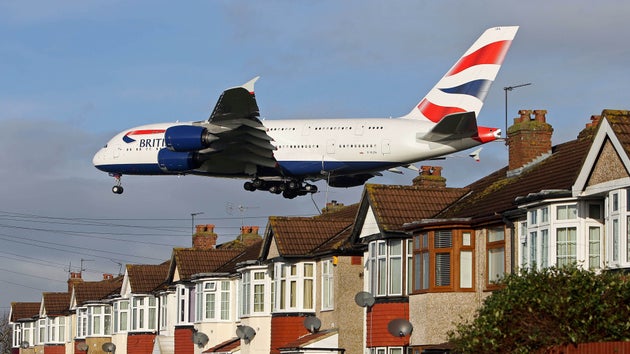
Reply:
x=305 y=148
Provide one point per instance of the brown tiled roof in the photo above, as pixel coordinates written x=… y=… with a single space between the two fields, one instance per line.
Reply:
x=496 y=193
x=191 y=261
x=144 y=278
x=620 y=123
x=56 y=304
x=341 y=212
x=252 y=252
x=22 y=310
x=229 y=346
x=300 y=236
x=309 y=339
x=96 y=290
x=394 y=206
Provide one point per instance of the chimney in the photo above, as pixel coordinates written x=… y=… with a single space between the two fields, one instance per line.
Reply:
x=75 y=278
x=528 y=139
x=430 y=177
x=204 y=237
x=108 y=276
x=249 y=235
x=332 y=206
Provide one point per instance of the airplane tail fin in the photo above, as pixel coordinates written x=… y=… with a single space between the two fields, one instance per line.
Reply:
x=464 y=87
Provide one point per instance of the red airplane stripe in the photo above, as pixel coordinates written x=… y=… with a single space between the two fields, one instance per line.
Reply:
x=435 y=112
x=146 y=131
x=492 y=53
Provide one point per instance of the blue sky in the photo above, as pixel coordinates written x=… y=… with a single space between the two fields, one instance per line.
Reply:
x=73 y=73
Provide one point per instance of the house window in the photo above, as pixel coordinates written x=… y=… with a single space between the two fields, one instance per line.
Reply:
x=213 y=300
x=184 y=304
x=385 y=265
x=27 y=333
x=544 y=215
x=82 y=322
x=566 y=212
x=41 y=328
x=295 y=286
x=594 y=251
x=328 y=292
x=100 y=320
x=443 y=260
x=495 y=254
x=16 y=339
x=245 y=293
x=164 y=312
x=566 y=245
x=121 y=316
x=143 y=313
x=259 y=283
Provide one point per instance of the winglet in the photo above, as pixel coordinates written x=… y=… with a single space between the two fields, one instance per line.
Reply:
x=249 y=85
x=475 y=154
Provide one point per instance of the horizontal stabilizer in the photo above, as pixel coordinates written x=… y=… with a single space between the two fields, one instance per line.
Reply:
x=452 y=127
x=395 y=170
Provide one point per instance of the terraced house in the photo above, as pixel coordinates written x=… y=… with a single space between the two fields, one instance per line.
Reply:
x=388 y=275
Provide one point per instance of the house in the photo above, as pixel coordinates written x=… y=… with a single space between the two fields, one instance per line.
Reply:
x=315 y=273
x=551 y=206
x=23 y=320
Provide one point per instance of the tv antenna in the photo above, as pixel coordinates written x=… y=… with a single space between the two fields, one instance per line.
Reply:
x=230 y=208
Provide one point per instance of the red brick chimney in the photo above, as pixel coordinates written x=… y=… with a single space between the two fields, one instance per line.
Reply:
x=204 y=237
x=75 y=277
x=430 y=177
x=529 y=138
x=108 y=276
x=249 y=235
x=332 y=206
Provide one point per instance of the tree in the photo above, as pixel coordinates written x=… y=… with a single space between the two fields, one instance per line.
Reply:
x=6 y=333
x=538 y=309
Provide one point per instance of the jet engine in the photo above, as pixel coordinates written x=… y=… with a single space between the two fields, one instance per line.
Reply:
x=187 y=138
x=176 y=161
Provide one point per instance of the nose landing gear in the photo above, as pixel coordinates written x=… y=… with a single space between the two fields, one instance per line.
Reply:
x=118 y=188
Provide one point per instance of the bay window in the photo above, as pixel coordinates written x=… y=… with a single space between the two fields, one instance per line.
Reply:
x=387 y=267
x=121 y=316
x=143 y=313
x=294 y=286
x=213 y=300
x=82 y=322
x=56 y=329
x=443 y=260
x=495 y=246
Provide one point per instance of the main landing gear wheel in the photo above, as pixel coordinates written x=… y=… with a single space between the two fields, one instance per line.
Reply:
x=117 y=189
x=289 y=189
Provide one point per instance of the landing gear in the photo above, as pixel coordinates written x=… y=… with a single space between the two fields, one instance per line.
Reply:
x=289 y=189
x=117 y=189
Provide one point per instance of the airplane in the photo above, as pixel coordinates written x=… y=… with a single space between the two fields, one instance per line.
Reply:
x=283 y=156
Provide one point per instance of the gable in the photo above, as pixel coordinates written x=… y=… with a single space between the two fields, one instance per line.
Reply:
x=273 y=249
x=608 y=166
x=370 y=226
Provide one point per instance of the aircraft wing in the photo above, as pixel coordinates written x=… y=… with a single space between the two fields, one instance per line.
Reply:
x=241 y=136
x=452 y=127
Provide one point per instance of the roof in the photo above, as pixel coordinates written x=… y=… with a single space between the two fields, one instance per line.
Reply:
x=96 y=290
x=144 y=278
x=394 y=206
x=309 y=339
x=301 y=236
x=229 y=346
x=252 y=252
x=190 y=261
x=56 y=304
x=23 y=310
x=497 y=192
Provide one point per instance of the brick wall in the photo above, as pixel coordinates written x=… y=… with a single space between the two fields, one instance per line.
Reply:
x=140 y=343
x=378 y=317
x=285 y=329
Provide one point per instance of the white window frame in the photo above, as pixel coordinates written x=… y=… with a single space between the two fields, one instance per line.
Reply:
x=82 y=322
x=57 y=329
x=121 y=316
x=328 y=285
x=291 y=287
x=143 y=310
x=213 y=300
x=387 y=261
x=184 y=297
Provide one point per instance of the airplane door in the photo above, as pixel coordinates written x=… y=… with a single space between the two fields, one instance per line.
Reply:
x=330 y=146
x=116 y=152
x=386 y=146
x=306 y=130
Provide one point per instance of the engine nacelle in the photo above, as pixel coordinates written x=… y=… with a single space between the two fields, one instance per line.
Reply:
x=176 y=161
x=187 y=138
x=349 y=181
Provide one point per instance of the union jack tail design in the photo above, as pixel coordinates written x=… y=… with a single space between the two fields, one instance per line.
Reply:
x=466 y=84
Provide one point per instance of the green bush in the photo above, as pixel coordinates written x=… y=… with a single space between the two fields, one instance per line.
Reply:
x=538 y=309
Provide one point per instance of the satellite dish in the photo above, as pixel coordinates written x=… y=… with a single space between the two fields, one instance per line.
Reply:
x=399 y=327
x=200 y=338
x=82 y=347
x=109 y=347
x=364 y=299
x=245 y=332
x=312 y=324
x=25 y=345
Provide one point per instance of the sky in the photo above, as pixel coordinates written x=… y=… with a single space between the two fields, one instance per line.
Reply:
x=74 y=73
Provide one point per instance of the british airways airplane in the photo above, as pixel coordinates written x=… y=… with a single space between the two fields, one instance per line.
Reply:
x=283 y=156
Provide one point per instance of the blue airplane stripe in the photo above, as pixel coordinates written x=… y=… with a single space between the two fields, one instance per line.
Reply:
x=477 y=88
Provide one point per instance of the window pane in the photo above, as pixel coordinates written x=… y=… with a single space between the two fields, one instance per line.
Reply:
x=593 y=247
x=566 y=246
x=443 y=239
x=615 y=241
x=442 y=269
x=425 y=270
x=496 y=264
x=544 y=248
x=466 y=271
x=395 y=276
